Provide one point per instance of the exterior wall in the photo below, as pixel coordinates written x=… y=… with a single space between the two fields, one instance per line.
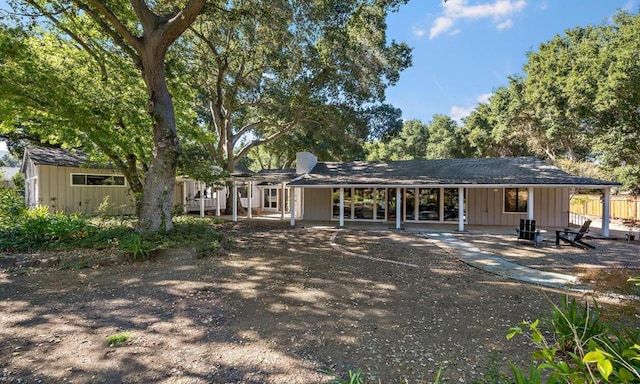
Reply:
x=317 y=203
x=54 y=189
x=485 y=206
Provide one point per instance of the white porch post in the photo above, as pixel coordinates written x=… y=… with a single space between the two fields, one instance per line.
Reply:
x=283 y=200
x=530 y=203
x=606 y=211
x=202 y=191
x=292 y=206
x=398 y=209
x=341 y=207
x=218 y=202
x=250 y=196
x=461 y=209
x=184 y=197
x=234 y=199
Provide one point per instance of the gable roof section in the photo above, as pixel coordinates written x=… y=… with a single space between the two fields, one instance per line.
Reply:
x=56 y=157
x=455 y=172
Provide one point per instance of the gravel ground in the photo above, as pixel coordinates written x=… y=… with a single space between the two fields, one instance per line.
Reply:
x=280 y=306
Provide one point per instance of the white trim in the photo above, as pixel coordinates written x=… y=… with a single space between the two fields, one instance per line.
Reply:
x=468 y=186
x=461 y=206
x=606 y=211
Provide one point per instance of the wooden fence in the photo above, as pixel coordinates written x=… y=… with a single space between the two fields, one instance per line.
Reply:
x=623 y=207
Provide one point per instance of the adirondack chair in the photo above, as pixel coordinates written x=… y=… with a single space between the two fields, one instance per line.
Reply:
x=527 y=230
x=574 y=237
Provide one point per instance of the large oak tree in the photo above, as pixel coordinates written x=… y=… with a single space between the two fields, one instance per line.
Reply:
x=143 y=32
x=289 y=72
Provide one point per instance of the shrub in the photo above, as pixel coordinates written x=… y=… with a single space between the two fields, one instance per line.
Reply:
x=585 y=349
x=36 y=228
x=11 y=207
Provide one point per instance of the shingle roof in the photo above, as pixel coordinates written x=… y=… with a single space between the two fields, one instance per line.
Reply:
x=276 y=175
x=488 y=171
x=56 y=156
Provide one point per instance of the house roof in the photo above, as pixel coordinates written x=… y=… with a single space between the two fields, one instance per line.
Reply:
x=462 y=172
x=55 y=156
x=276 y=175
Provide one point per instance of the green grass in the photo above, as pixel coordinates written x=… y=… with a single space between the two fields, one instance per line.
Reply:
x=119 y=339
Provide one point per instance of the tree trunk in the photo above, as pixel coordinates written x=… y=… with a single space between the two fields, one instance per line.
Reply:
x=229 y=204
x=155 y=208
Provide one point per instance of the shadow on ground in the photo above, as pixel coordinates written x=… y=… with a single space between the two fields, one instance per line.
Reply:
x=280 y=306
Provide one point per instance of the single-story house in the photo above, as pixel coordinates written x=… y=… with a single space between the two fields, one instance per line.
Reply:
x=472 y=191
x=65 y=181
x=475 y=191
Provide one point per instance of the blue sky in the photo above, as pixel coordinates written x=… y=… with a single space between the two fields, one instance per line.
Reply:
x=464 y=49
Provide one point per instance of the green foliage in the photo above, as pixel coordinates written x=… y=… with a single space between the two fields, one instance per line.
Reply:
x=354 y=377
x=138 y=249
x=119 y=339
x=299 y=81
x=36 y=228
x=18 y=182
x=584 y=349
x=573 y=322
x=11 y=207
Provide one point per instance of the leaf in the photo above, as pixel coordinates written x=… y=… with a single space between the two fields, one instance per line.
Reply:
x=625 y=375
x=513 y=331
x=605 y=368
x=594 y=356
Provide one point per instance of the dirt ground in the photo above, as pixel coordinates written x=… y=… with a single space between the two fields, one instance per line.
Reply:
x=283 y=304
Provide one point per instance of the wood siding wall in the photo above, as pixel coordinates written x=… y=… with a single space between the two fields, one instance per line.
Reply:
x=485 y=206
x=317 y=204
x=56 y=191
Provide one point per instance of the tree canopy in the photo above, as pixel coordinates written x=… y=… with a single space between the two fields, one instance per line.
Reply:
x=294 y=76
x=577 y=101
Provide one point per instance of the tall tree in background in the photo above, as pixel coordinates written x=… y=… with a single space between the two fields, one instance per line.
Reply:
x=291 y=74
x=144 y=34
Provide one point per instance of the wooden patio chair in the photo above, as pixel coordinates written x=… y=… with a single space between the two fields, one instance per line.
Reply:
x=527 y=230
x=574 y=237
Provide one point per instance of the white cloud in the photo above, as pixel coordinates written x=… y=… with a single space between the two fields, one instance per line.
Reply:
x=418 y=32
x=458 y=113
x=484 y=98
x=440 y=26
x=455 y=10
x=505 y=24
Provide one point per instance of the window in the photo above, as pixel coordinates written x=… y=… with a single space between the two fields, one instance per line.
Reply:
x=100 y=180
x=515 y=200
x=429 y=204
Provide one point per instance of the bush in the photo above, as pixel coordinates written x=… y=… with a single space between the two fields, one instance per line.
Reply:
x=584 y=348
x=11 y=207
x=36 y=228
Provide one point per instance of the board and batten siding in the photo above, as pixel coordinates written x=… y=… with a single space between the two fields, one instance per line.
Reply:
x=485 y=206
x=56 y=191
x=317 y=204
